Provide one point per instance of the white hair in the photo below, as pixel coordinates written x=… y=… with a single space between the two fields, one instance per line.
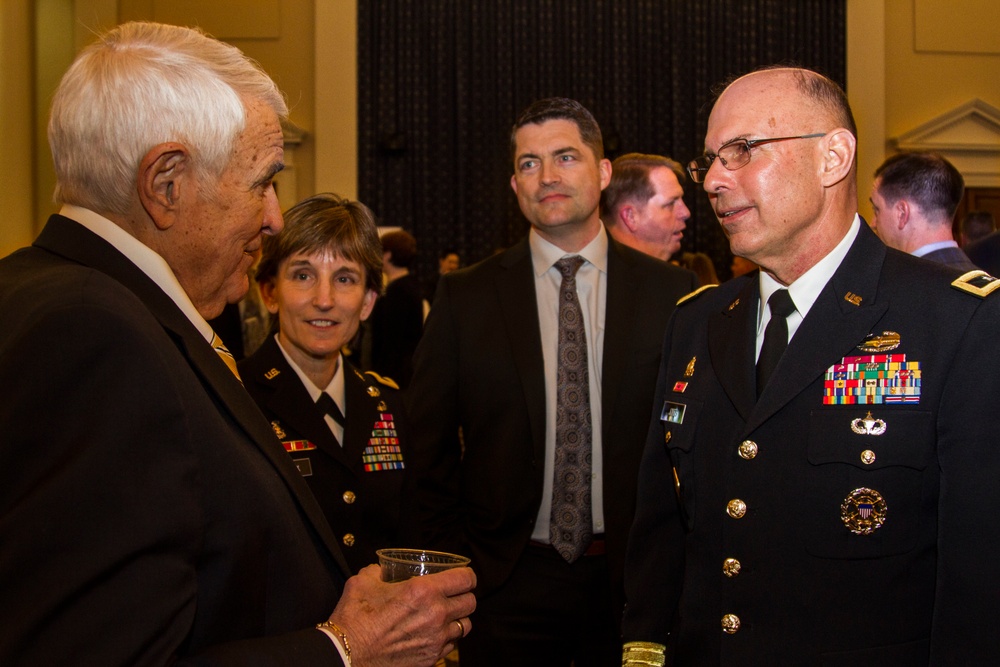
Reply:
x=143 y=84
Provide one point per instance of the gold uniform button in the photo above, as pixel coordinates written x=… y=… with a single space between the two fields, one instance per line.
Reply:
x=730 y=624
x=349 y=497
x=348 y=540
x=748 y=449
x=736 y=508
x=731 y=567
x=868 y=457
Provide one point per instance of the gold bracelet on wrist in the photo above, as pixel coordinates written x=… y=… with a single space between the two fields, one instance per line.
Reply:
x=340 y=634
x=645 y=654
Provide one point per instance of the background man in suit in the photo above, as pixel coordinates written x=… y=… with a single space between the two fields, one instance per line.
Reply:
x=834 y=503
x=643 y=206
x=397 y=321
x=492 y=365
x=914 y=198
x=985 y=252
x=976 y=225
x=149 y=514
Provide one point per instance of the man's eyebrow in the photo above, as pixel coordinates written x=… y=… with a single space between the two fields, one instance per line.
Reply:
x=271 y=173
x=742 y=137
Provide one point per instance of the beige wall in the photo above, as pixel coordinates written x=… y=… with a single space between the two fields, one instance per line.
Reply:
x=893 y=84
x=16 y=124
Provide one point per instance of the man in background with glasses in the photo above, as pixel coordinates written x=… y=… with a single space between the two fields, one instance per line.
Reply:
x=826 y=423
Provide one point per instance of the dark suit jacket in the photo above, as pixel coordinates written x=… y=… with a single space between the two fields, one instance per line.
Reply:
x=985 y=253
x=952 y=257
x=397 y=322
x=149 y=514
x=479 y=367
x=361 y=499
x=918 y=590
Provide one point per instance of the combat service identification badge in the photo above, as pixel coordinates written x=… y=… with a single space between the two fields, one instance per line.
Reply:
x=863 y=511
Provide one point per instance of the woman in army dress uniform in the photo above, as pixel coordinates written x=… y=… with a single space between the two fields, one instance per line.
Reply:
x=321 y=276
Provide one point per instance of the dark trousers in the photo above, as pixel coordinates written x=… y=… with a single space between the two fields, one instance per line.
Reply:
x=549 y=613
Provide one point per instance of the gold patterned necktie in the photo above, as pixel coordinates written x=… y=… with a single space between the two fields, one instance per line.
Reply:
x=224 y=354
x=571 y=530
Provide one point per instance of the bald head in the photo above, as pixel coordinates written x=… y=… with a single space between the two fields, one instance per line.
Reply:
x=787 y=192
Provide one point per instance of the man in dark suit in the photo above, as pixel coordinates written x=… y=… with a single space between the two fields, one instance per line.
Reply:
x=491 y=366
x=985 y=252
x=149 y=514
x=826 y=424
x=914 y=198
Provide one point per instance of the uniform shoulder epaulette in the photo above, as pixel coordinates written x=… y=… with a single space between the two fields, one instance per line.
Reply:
x=389 y=382
x=688 y=297
x=978 y=283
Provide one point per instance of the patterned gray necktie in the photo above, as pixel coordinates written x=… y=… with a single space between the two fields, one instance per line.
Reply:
x=570 y=531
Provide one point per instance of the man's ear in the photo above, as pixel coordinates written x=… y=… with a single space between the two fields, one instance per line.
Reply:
x=164 y=177
x=626 y=216
x=839 y=153
x=901 y=211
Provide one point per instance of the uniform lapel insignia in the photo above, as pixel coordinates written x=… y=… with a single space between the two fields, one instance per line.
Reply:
x=852 y=298
x=689 y=371
x=271 y=374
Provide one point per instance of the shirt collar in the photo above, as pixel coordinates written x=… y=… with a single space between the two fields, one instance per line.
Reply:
x=544 y=254
x=931 y=247
x=144 y=257
x=335 y=388
x=805 y=290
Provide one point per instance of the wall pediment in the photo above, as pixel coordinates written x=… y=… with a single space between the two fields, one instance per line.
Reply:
x=968 y=136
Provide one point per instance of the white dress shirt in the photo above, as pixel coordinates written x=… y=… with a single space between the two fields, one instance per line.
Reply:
x=335 y=389
x=805 y=290
x=591 y=289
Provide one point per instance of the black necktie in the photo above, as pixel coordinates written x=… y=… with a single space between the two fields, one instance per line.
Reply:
x=775 y=337
x=327 y=406
x=571 y=529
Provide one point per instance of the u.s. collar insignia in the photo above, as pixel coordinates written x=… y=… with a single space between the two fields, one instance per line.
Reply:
x=868 y=425
x=689 y=371
x=852 y=299
x=733 y=304
x=271 y=374
x=278 y=431
x=888 y=340
x=863 y=511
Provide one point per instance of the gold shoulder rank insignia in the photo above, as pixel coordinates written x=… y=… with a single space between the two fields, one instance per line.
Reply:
x=688 y=297
x=977 y=283
x=389 y=382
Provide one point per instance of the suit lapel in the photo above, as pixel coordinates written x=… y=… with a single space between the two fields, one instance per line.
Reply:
x=287 y=397
x=73 y=241
x=620 y=310
x=844 y=313
x=515 y=290
x=731 y=346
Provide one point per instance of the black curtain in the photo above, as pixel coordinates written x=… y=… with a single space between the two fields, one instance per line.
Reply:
x=440 y=83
